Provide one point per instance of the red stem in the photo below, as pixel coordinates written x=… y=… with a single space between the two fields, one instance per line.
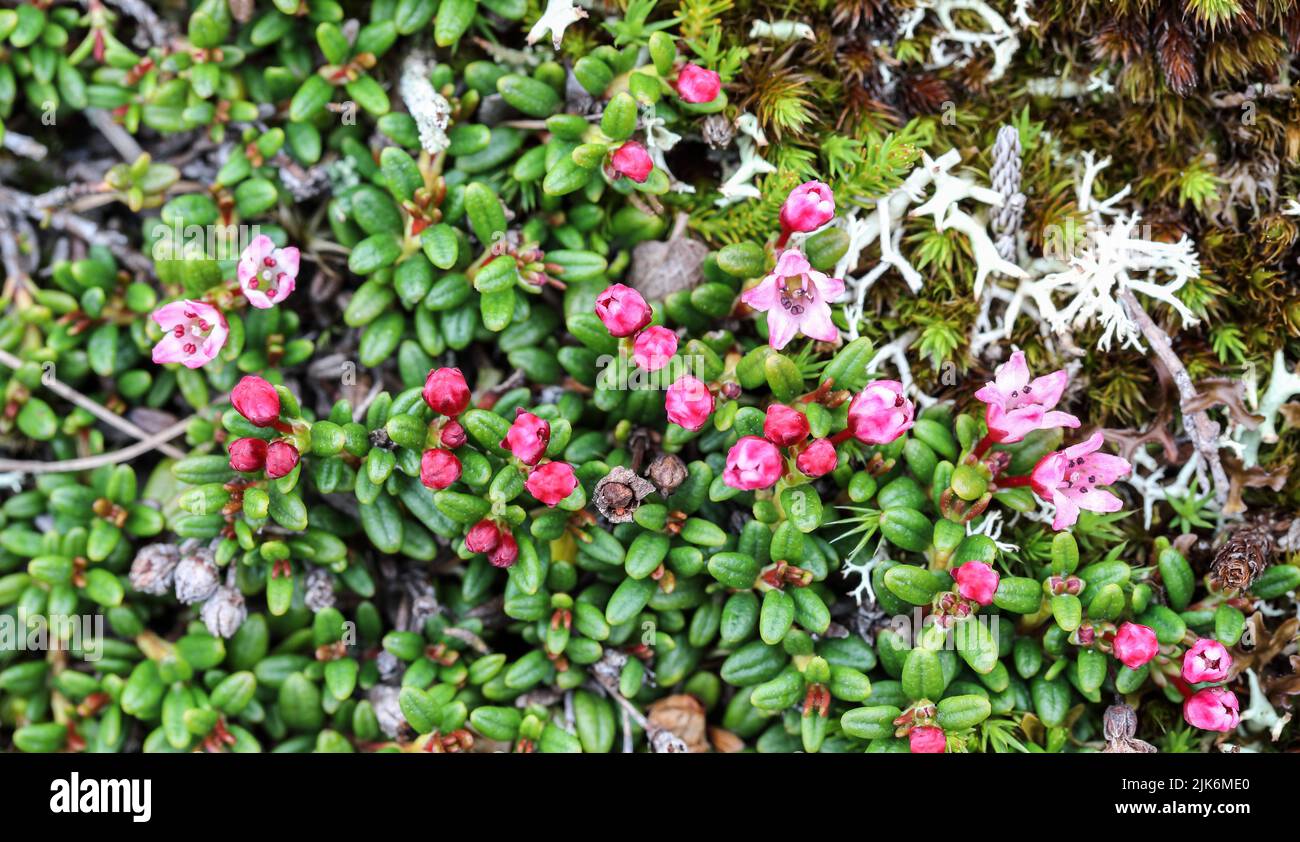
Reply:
x=1013 y=482
x=841 y=437
x=983 y=446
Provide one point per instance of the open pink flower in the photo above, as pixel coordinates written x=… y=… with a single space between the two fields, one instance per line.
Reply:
x=1017 y=406
x=195 y=331
x=688 y=402
x=1135 y=645
x=528 y=437
x=978 y=581
x=1213 y=709
x=654 y=347
x=697 y=84
x=808 y=207
x=1207 y=660
x=1070 y=480
x=817 y=459
x=753 y=463
x=879 y=413
x=622 y=310
x=797 y=299
x=552 y=482
x=927 y=739
x=267 y=274
x=633 y=161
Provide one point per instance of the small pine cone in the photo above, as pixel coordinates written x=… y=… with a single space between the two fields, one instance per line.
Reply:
x=224 y=612
x=1241 y=559
x=197 y=576
x=667 y=472
x=154 y=568
x=619 y=493
x=718 y=131
x=319 y=592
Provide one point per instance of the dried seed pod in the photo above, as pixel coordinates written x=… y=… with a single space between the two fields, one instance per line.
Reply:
x=197 y=576
x=667 y=472
x=224 y=612
x=619 y=493
x=154 y=568
x=1241 y=559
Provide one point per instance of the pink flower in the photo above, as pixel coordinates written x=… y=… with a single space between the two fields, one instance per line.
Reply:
x=808 y=207
x=1213 y=709
x=797 y=299
x=267 y=274
x=633 y=161
x=507 y=550
x=1070 y=480
x=927 y=739
x=1207 y=660
x=977 y=580
x=1017 y=406
x=446 y=392
x=753 y=463
x=248 y=454
x=552 y=482
x=879 y=413
x=654 y=347
x=784 y=426
x=817 y=459
x=194 y=332
x=622 y=310
x=528 y=437
x=281 y=459
x=1135 y=644
x=483 y=537
x=696 y=84
x=256 y=400
x=688 y=402
x=439 y=468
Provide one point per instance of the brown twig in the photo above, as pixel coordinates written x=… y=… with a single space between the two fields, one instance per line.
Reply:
x=89 y=463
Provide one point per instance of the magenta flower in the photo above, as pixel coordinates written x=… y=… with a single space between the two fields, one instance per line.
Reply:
x=753 y=463
x=879 y=413
x=1135 y=645
x=808 y=207
x=1207 y=660
x=507 y=550
x=622 y=310
x=1069 y=479
x=977 y=581
x=256 y=400
x=697 y=84
x=927 y=739
x=552 y=482
x=688 y=402
x=817 y=459
x=439 y=468
x=248 y=454
x=1017 y=406
x=1213 y=709
x=195 y=331
x=483 y=537
x=654 y=347
x=784 y=426
x=446 y=392
x=633 y=161
x=797 y=299
x=267 y=274
x=527 y=437
x=281 y=459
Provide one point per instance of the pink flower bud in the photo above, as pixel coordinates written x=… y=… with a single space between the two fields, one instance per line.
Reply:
x=633 y=161
x=446 y=392
x=1213 y=709
x=552 y=482
x=281 y=459
x=879 y=413
x=753 y=463
x=256 y=400
x=483 y=537
x=817 y=459
x=452 y=435
x=622 y=310
x=1207 y=660
x=977 y=580
x=439 y=468
x=688 y=403
x=808 y=207
x=927 y=739
x=784 y=426
x=247 y=455
x=696 y=84
x=507 y=550
x=654 y=347
x=528 y=437
x=1135 y=645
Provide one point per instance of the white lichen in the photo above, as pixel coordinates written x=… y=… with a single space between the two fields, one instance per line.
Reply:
x=781 y=30
x=559 y=16
x=1283 y=384
x=427 y=107
x=952 y=45
x=739 y=184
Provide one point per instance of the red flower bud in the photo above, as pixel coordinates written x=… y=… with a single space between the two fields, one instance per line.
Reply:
x=446 y=392
x=784 y=426
x=483 y=537
x=256 y=400
x=927 y=739
x=817 y=459
x=281 y=458
x=439 y=468
x=698 y=84
x=506 y=552
x=453 y=435
x=527 y=438
x=247 y=455
x=552 y=482
x=633 y=161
